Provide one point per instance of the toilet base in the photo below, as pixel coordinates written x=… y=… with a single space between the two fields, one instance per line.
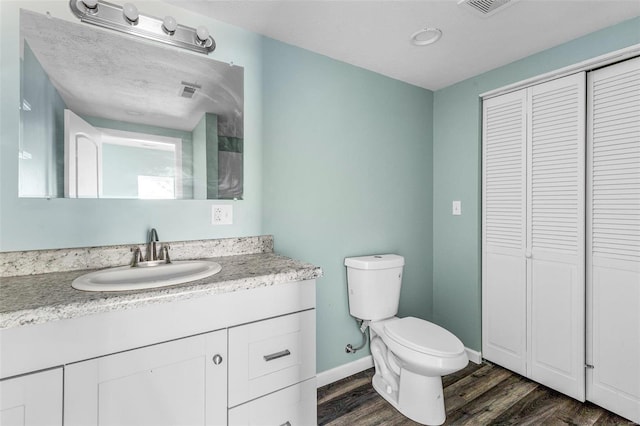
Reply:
x=419 y=397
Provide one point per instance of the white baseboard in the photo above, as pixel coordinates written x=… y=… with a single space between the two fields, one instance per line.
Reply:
x=344 y=370
x=474 y=356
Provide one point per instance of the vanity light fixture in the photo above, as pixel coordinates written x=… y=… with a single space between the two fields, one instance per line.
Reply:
x=127 y=19
x=426 y=36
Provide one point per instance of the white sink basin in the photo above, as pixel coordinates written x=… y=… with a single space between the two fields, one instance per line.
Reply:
x=146 y=275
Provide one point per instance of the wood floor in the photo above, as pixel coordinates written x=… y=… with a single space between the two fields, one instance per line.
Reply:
x=482 y=394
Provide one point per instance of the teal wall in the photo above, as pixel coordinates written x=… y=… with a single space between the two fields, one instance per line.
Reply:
x=205 y=155
x=347 y=171
x=457 y=174
x=30 y=223
x=42 y=121
x=199 y=135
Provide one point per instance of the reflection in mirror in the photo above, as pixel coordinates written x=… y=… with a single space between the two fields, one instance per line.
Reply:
x=106 y=115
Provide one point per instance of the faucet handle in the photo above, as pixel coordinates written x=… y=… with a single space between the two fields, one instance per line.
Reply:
x=164 y=253
x=137 y=256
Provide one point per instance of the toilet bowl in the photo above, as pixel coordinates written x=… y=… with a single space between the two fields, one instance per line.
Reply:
x=421 y=346
x=410 y=354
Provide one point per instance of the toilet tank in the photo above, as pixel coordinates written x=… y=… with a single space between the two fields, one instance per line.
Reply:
x=374 y=285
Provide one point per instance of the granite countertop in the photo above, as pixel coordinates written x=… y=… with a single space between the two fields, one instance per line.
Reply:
x=36 y=299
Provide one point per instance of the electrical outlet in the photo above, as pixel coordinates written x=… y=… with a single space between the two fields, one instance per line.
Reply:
x=222 y=214
x=456 y=208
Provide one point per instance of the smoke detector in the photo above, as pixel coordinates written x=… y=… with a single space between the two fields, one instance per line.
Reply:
x=485 y=8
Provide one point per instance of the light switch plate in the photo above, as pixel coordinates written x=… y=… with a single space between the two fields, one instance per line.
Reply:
x=222 y=214
x=457 y=208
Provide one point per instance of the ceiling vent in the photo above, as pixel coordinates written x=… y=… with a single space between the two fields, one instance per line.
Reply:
x=485 y=8
x=189 y=89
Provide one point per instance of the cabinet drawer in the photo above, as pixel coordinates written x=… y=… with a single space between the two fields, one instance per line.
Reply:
x=269 y=355
x=292 y=406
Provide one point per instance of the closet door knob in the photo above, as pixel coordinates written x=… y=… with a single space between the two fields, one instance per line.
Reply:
x=217 y=359
x=527 y=254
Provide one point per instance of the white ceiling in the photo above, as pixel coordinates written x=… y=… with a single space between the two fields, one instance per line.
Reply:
x=375 y=34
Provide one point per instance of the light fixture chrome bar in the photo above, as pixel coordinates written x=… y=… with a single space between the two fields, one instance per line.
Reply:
x=109 y=15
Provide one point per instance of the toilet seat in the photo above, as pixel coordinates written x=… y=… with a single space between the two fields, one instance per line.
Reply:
x=424 y=337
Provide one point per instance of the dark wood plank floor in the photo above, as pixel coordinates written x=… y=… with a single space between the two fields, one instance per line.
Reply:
x=482 y=394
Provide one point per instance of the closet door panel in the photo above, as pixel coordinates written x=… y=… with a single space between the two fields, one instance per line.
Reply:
x=503 y=231
x=555 y=221
x=613 y=239
x=504 y=297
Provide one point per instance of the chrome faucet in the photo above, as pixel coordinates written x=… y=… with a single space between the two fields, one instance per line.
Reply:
x=152 y=253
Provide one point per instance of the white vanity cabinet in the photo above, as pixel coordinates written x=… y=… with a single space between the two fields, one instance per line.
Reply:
x=266 y=375
x=179 y=382
x=32 y=400
x=237 y=357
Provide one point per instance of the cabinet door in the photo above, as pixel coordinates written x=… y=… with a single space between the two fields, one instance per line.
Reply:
x=503 y=231
x=33 y=399
x=178 y=382
x=613 y=243
x=555 y=243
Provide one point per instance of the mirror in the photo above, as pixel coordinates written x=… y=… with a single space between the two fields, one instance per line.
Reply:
x=105 y=115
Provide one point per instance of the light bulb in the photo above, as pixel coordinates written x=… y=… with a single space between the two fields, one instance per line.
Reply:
x=130 y=12
x=169 y=24
x=202 y=33
x=90 y=4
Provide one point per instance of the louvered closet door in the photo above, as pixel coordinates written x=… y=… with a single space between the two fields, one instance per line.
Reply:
x=503 y=231
x=555 y=219
x=613 y=239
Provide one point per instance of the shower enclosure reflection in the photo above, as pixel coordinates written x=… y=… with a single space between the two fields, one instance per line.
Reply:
x=105 y=115
x=107 y=163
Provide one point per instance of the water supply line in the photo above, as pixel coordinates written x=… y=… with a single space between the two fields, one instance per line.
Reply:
x=363 y=325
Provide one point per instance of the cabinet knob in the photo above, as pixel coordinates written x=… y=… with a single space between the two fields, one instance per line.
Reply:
x=527 y=255
x=217 y=359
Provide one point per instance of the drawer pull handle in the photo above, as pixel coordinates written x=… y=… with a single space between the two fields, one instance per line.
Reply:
x=277 y=355
x=286 y=424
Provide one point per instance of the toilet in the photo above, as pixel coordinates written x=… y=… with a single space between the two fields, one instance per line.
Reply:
x=410 y=355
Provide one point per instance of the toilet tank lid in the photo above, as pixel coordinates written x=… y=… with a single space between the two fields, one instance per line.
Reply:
x=376 y=261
